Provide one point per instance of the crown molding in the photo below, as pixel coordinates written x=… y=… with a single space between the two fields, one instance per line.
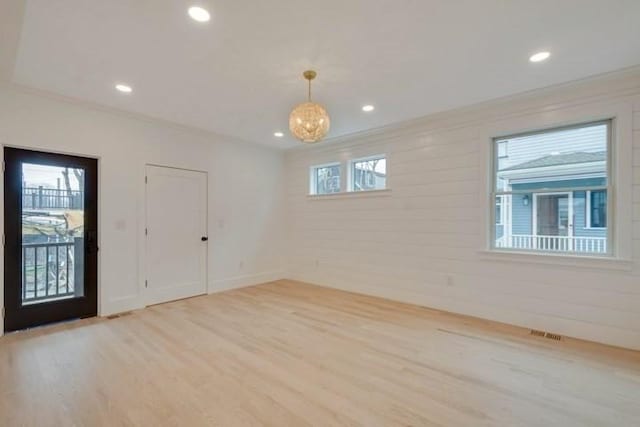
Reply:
x=31 y=91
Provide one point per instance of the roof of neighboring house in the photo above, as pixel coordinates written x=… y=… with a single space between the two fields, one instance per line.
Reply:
x=561 y=159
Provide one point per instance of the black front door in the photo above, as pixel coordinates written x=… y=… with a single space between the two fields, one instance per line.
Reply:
x=51 y=232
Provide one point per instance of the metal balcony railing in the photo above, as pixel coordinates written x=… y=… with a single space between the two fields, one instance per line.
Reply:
x=48 y=270
x=50 y=198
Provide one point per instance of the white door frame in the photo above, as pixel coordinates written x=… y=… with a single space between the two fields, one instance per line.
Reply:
x=145 y=251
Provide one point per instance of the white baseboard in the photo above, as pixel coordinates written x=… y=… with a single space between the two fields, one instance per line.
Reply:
x=134 y=302
x=120 y=305
x=244 y=281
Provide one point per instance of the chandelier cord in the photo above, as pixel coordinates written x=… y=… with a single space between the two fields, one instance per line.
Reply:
x=309 y=90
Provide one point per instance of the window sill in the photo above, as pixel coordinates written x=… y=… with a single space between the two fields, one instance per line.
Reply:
x=571 y=260
x=349 y=194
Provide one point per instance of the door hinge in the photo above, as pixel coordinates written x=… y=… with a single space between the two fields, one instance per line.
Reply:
x=146 y=284
x=146 y=231
x=3 y=240
x=146 y=179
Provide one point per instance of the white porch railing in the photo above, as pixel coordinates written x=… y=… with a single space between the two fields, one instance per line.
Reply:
x=597 y=245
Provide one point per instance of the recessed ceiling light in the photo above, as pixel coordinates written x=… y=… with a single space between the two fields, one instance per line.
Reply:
x=278 y=134
x=124 y=88
x=539 y=57
x=199 y=14
x=368 y=108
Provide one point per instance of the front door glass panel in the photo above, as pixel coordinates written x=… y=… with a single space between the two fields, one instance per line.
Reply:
x=53 y=233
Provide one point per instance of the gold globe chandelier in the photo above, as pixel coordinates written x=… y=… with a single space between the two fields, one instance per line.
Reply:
x=309 y=121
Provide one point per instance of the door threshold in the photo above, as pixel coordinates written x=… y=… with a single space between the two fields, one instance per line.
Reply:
x=45 y=325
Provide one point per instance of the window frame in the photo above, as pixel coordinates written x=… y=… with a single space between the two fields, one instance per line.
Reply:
x=609 y=188
x=587 y=215
x=313 y=178
x=351 y=172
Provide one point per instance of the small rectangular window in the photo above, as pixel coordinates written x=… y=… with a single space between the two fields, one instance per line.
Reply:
x=325 y=179
x=369 y=174
x=596 y=209
x=550 y=192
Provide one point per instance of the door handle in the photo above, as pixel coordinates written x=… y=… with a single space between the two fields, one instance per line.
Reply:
x=204 y=238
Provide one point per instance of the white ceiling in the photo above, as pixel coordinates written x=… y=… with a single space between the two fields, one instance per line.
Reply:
x=240 y=74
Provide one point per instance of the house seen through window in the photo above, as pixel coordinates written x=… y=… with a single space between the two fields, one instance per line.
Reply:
x=550 y=191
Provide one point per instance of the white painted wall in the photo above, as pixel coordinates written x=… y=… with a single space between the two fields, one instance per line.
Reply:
x=423 y=242
x=245 y=189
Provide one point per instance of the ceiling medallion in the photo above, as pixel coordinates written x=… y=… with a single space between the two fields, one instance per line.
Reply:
x=309 y=121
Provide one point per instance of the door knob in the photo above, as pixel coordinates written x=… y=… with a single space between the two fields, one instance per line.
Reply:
x=204 y=238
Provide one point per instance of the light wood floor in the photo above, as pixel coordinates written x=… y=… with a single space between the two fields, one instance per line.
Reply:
x=286 y=353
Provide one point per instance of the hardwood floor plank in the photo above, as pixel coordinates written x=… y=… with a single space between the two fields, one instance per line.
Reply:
x=292 y=354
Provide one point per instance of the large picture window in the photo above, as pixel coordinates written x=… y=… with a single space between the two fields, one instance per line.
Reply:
x=550 y=192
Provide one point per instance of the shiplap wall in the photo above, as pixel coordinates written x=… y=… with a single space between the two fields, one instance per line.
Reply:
x=422 y=242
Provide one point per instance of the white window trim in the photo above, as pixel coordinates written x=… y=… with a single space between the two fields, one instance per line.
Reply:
x=620 y=200
x=345 y=180
x=350 y=178
x=587 y=216
x=350 y=194
x=313 y=178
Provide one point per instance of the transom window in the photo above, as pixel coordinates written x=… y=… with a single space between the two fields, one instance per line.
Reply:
x=363 y=174
x=369 y=174
x=325 y=179
x=550 y=191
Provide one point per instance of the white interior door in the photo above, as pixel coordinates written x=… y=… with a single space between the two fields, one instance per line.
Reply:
x=176 y=233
